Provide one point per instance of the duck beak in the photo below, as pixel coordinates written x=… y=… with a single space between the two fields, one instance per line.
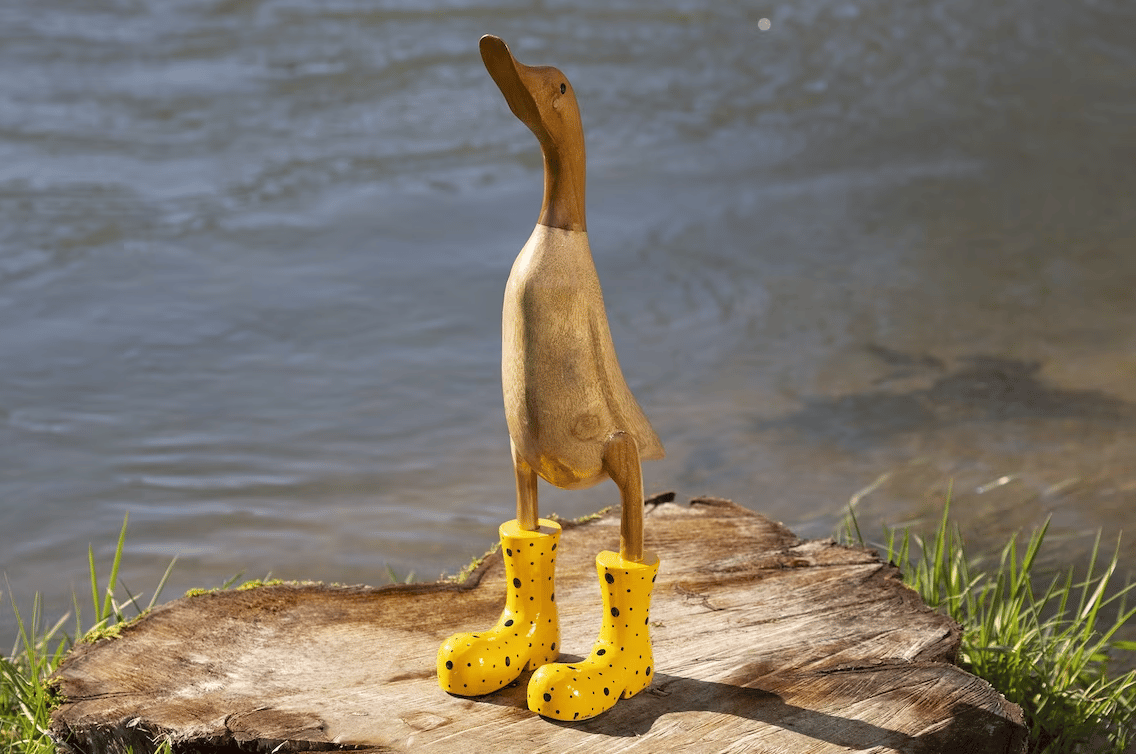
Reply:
x=508 y=74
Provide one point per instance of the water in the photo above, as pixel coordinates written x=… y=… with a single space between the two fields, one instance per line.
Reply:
x=252 y=257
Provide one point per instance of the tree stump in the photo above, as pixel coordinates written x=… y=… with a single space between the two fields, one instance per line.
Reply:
x=763 y=642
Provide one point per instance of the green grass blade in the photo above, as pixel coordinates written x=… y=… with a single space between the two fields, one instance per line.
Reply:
x=131 y=601
x=94 y=583
x=108 y=603
x=162 y=584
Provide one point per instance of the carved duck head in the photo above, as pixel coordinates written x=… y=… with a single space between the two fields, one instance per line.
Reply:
x=543 y=99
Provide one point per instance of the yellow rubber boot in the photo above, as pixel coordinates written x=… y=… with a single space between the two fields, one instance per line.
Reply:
x=528 y=631
x=621 y=661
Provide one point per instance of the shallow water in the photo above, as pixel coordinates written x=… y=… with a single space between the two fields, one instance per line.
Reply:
x=252 y=257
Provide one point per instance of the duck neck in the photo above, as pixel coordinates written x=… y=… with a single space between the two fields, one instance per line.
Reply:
x=564 y=174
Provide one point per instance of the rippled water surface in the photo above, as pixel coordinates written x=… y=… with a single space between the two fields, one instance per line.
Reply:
x=252 y=257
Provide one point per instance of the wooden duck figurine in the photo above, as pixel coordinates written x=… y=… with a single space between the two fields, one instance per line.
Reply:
x=573 y=421
x=565 y=395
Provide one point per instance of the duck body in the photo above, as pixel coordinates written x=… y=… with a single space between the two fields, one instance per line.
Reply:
x=564 y=391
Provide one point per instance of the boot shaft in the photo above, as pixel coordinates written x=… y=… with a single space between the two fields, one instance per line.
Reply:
x=530 y=569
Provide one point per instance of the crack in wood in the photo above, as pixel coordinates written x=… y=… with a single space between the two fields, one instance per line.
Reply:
x=704 y=599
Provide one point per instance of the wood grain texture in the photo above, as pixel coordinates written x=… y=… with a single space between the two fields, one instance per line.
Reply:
x=763 y=642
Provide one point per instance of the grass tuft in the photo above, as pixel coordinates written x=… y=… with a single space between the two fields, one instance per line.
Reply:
x=463 y=575
x=26 y=696
x=394 y=578
x=25 y=699
x=1047 y=650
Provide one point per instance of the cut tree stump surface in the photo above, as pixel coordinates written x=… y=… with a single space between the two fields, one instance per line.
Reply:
x=763 y=642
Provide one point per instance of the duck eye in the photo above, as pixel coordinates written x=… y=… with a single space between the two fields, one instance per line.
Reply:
x=563 y=88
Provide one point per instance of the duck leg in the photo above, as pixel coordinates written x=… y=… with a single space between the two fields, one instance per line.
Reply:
x=621 y=462
x=526 y=492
